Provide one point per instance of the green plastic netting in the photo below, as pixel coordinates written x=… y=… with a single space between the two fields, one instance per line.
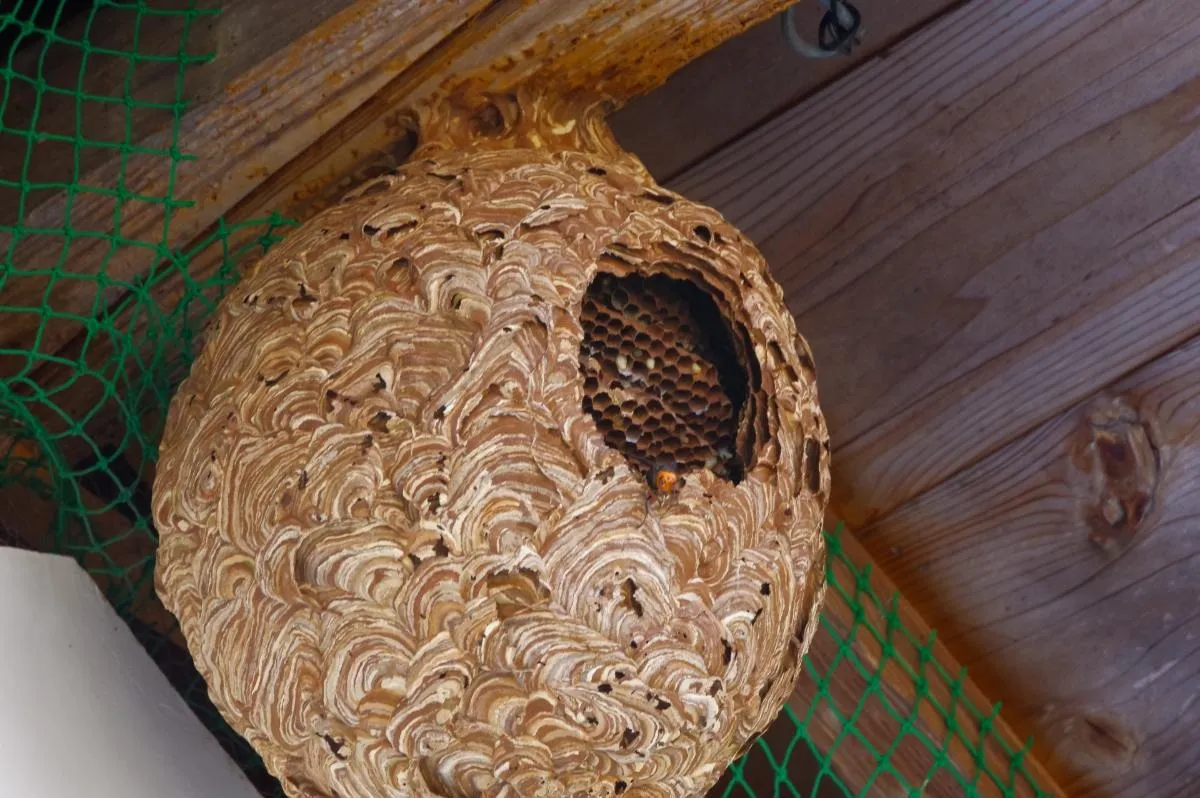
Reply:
x=83 y=395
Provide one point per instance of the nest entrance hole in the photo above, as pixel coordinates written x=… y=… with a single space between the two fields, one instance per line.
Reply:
x=664 y=377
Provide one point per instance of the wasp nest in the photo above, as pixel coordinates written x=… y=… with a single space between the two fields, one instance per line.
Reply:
x=660 y=375
x=407 y=520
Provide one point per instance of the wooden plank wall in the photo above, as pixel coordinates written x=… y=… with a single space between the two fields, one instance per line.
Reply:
x=733 y=88
x=991 y=237
x=1086 y=616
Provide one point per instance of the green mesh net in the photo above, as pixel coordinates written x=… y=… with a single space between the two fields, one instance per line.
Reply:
x=83 y=396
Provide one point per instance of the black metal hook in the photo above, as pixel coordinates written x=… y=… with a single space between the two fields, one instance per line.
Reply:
x=840 y=29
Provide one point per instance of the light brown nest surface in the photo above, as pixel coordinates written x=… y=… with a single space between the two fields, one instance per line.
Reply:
x=405 y=548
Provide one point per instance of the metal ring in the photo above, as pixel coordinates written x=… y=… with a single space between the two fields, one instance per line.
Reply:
x=842 y=21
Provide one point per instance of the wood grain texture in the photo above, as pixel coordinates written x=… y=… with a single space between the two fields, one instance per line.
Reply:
x=607 y=49
x=589 y=50
x=273 y=111
x=1064 y=569
x=731 y=89
x=981 y=228
x=242 y=35
x=849 y=652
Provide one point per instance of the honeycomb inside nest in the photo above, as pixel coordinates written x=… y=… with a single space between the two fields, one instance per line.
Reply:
x=662 y=376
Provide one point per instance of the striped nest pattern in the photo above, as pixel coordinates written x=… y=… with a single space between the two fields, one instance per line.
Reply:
x=405 y=556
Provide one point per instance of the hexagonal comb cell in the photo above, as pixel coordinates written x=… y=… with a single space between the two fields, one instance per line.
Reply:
x=662 y=377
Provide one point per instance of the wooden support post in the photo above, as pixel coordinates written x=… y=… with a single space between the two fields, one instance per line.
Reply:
x=877 y=662
x=270 y=113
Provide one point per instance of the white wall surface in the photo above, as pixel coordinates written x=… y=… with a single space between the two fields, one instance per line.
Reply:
x=83 y=709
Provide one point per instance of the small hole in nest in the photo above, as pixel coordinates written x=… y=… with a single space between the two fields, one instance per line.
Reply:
x=336 y=747
x=489 y=120
x=641 y=334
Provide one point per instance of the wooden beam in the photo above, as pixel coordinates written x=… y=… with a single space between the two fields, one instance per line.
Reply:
x=1008 y=195
x=613 y=51
x=272 y=112
x=238 y=34
x=876 y=665
x=1065 y=567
